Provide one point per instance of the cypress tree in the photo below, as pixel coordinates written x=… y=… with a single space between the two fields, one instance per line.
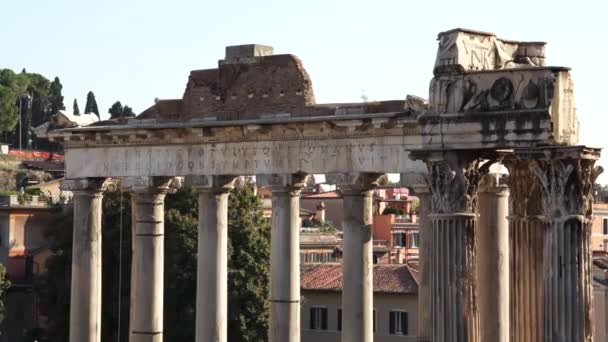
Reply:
x=55 y=96
x=91 y=105
x=76 y=109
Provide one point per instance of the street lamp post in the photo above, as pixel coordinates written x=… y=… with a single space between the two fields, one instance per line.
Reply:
x=20 y=122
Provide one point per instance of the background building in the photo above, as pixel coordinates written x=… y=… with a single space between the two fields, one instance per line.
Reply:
x=395 y=303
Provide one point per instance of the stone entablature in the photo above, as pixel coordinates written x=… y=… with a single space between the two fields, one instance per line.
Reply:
x=462 y=50
x=368 y=143
x=502 y=108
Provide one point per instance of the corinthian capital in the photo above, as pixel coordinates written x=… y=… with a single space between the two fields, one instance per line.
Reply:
x=453 y=179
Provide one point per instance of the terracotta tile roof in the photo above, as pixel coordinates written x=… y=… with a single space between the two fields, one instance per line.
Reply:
x=397 y=278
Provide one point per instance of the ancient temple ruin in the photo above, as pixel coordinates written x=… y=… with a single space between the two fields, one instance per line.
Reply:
x=503 y=258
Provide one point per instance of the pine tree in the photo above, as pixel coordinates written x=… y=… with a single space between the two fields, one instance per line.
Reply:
x=116 y=110
x=127 y=112
x=55 y=96
x=91 y=105
x=76 y=109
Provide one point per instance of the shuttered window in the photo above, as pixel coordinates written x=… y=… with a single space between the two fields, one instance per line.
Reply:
x=318 y=318
x=398 y=323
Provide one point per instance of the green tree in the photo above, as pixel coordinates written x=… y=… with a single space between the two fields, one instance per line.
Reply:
x=55 y=97
x=91 y=105
x=76 y=110
x=4 y=285
x=392 y=210
x=248 y=267
x=116 y=110
x=127 y=112
x=9 y=115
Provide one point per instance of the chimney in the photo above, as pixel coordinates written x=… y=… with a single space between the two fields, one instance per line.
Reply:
x=320 y=213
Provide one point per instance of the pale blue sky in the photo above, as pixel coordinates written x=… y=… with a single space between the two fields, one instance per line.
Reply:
x=134 y=51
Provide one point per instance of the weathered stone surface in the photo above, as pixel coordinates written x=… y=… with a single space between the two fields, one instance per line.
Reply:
x=366 y=155
x=462 y=50
x=504 y=107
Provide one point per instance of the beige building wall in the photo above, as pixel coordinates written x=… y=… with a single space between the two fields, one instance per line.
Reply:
x=383 y=304
x=599 y=240
x=600 y=308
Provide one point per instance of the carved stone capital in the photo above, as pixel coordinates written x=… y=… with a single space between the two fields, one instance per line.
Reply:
x=566 y=176
x=87 y=185
x=283 y=182
x=525 y=193
x=150 y=184
x=217 y=184
x=354 y=183
x=453 y=179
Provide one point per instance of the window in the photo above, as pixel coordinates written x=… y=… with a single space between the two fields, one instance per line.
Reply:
x=398 y=323
x=318 y=318
x=414 y=240
x=605 y=226
x=398 y=239
x=339 y=319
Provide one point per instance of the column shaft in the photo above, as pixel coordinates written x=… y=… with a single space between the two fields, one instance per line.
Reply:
x=285 y=266
x=212 y=268
x=493 y=260
x=453 y=278
x=526 y=246
x=526 y=270
x=85 y=301
x=567 y=281
x=425 y=257
x=357 y=266
x=147 y=269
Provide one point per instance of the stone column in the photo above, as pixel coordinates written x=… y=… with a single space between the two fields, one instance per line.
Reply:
x=526 y=232
x=285 y=256
x=425 y=254
x=567 y=177
x=453 y=180
x=147 y=268
x=212 y=267
x=493 y=258
x=85 y=299
x=357 y=261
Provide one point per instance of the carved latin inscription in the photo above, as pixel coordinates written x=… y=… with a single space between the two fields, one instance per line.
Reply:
x=338 y=155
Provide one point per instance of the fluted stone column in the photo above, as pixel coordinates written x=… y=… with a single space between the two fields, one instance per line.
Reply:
x=284 y=256
x=425 y=254
x=85 y=298
x=526 y=235
x=567 y=177
x=147 y=268
x=493 y=258
x=212 y=267
x=453 y=180
x=357 y=261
